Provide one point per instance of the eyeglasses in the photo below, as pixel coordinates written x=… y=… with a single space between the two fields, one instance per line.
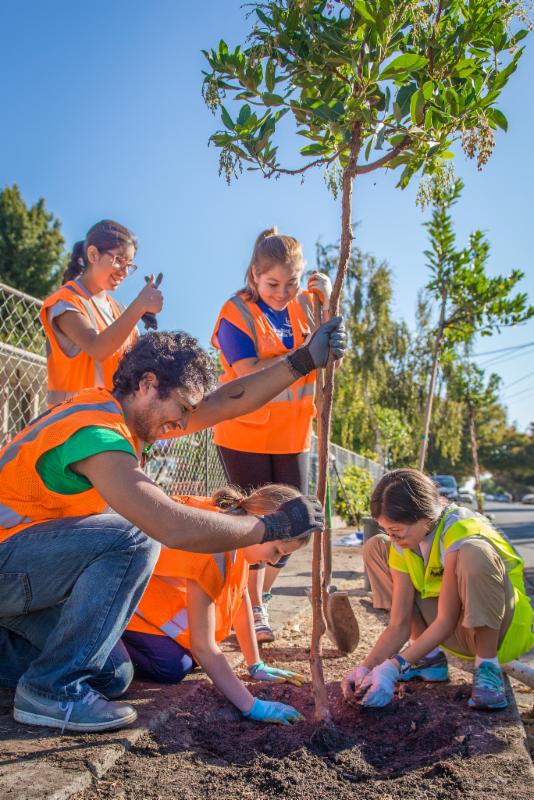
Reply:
x=119 y=263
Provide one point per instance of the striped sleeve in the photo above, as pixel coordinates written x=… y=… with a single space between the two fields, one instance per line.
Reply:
x=396 y=559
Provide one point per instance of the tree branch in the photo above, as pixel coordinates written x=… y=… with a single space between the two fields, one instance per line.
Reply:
x=380 y=162
x=318 y=162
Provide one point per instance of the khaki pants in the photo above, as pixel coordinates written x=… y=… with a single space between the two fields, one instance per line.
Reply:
x=485 y=590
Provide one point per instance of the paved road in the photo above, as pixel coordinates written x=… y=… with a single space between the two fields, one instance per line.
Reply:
x=517 y=521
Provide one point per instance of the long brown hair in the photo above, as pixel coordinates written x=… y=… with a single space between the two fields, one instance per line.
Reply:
x=263 y=500
x=406 y=495
x=271 y=249
x=104 y=235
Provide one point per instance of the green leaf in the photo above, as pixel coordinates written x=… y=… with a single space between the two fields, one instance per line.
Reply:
x=498 y=118
x=428 y=89
x=409 y=62
x=272 y=99
x=465 y=67
x=270 y=75
x=264 y=18
x=363 y=10
x=244 y=114
x=227 y=119
x=316 y=149
x=404 y=95
x=428 y=119
x=417 y=107
x=397 y=111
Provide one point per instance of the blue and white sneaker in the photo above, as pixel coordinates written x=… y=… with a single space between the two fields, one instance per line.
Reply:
x=262 y=629
x=430 y=668
x=488 y=691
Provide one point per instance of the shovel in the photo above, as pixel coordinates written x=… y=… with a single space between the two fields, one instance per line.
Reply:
x=341 y=623
x=149 y=319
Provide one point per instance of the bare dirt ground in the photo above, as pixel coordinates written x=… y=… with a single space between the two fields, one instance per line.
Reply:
x=426 y=746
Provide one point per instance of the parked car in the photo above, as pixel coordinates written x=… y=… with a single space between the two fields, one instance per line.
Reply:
x=447 y=486
x=465 y=496
x=528 y=498
x=503 y=497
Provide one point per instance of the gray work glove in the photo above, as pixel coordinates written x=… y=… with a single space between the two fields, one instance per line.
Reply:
x=295 y=518
x=329 y=339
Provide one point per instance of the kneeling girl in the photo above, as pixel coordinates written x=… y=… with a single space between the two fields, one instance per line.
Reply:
x=193 y=600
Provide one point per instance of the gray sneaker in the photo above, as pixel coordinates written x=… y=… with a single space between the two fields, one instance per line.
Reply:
x=488 y=691
x=91 y=713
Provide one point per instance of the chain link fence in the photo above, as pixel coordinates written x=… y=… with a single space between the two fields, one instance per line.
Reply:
x=189 y=465
x=22 y=361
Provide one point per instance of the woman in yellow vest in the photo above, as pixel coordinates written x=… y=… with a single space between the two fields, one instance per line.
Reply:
x=453 y=583
x=192 y=602
x=263 y=322
x=87 y=331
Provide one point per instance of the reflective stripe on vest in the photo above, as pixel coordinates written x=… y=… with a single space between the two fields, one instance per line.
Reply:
x=50 y=419
x=248 y=319
x=9 y=518
x=55 y=396
x=172 y=627
x=220 y=560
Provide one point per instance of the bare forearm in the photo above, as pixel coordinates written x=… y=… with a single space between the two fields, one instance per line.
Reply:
x=244 y=630
x=436 y=633
x=219 y=670
x=112 y=338
x=130 y=493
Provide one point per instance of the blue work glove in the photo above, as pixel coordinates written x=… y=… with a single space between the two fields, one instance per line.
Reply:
x=262 y=672
x=269 y=711
x=330 y=339
x=376 y=689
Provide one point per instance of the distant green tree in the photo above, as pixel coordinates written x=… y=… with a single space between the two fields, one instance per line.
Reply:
x=468 y=300
x=32 y=255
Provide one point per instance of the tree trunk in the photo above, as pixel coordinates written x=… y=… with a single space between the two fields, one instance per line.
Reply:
x=324 y=419
x=430 y=397
x=474 y=451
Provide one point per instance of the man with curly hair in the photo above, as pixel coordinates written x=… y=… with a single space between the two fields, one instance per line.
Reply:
x=81 y=524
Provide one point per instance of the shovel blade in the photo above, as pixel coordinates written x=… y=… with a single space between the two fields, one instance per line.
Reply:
x=341 y=624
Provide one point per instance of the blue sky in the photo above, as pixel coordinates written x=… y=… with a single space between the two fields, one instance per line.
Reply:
x=103 y=117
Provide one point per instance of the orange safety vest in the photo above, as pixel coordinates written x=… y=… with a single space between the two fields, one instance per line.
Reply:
x=35 y=503
x=223 y=576
x=70 y=374
x=283 y=425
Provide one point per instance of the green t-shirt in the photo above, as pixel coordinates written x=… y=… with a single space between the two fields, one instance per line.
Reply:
x=54 y=465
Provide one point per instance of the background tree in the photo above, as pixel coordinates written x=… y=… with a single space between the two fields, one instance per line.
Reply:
x=468 y=383
x=32 y=257
x=397 y=76
x=468 y=300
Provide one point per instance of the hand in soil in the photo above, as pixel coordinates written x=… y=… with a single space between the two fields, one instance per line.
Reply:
x=376 y=689
x=269 y=711
x=263 y=672
x=352 y=681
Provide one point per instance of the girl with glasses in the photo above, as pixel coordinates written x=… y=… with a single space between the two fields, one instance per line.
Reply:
x=271 y=316
x=87 y=331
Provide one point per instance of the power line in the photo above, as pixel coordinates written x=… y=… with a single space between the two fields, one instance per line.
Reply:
x=502 y=350
x=517 y=394
x=508 y=385
x=504 y=359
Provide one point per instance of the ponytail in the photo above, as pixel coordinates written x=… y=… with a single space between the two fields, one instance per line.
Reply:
x=263 y=500
x=76 y=264
x=271 y=249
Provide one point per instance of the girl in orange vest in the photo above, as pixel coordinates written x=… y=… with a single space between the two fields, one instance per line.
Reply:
x=192 y=602
x=86 y=330
x=263 y=322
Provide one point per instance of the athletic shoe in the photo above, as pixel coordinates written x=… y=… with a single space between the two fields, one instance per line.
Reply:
x=266 y=598
x=429 y=668
x=90 y=713
x=488 y=688
x=264 y=632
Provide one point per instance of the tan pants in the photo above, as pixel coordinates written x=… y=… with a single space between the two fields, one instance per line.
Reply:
x=485 y=590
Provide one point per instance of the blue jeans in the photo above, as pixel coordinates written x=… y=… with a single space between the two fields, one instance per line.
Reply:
x=158 y=658
x=67 y=590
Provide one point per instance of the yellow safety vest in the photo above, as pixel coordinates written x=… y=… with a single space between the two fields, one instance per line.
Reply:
x=427 y=579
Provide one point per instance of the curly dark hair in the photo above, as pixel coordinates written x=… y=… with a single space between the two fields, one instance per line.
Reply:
x=175 y=358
